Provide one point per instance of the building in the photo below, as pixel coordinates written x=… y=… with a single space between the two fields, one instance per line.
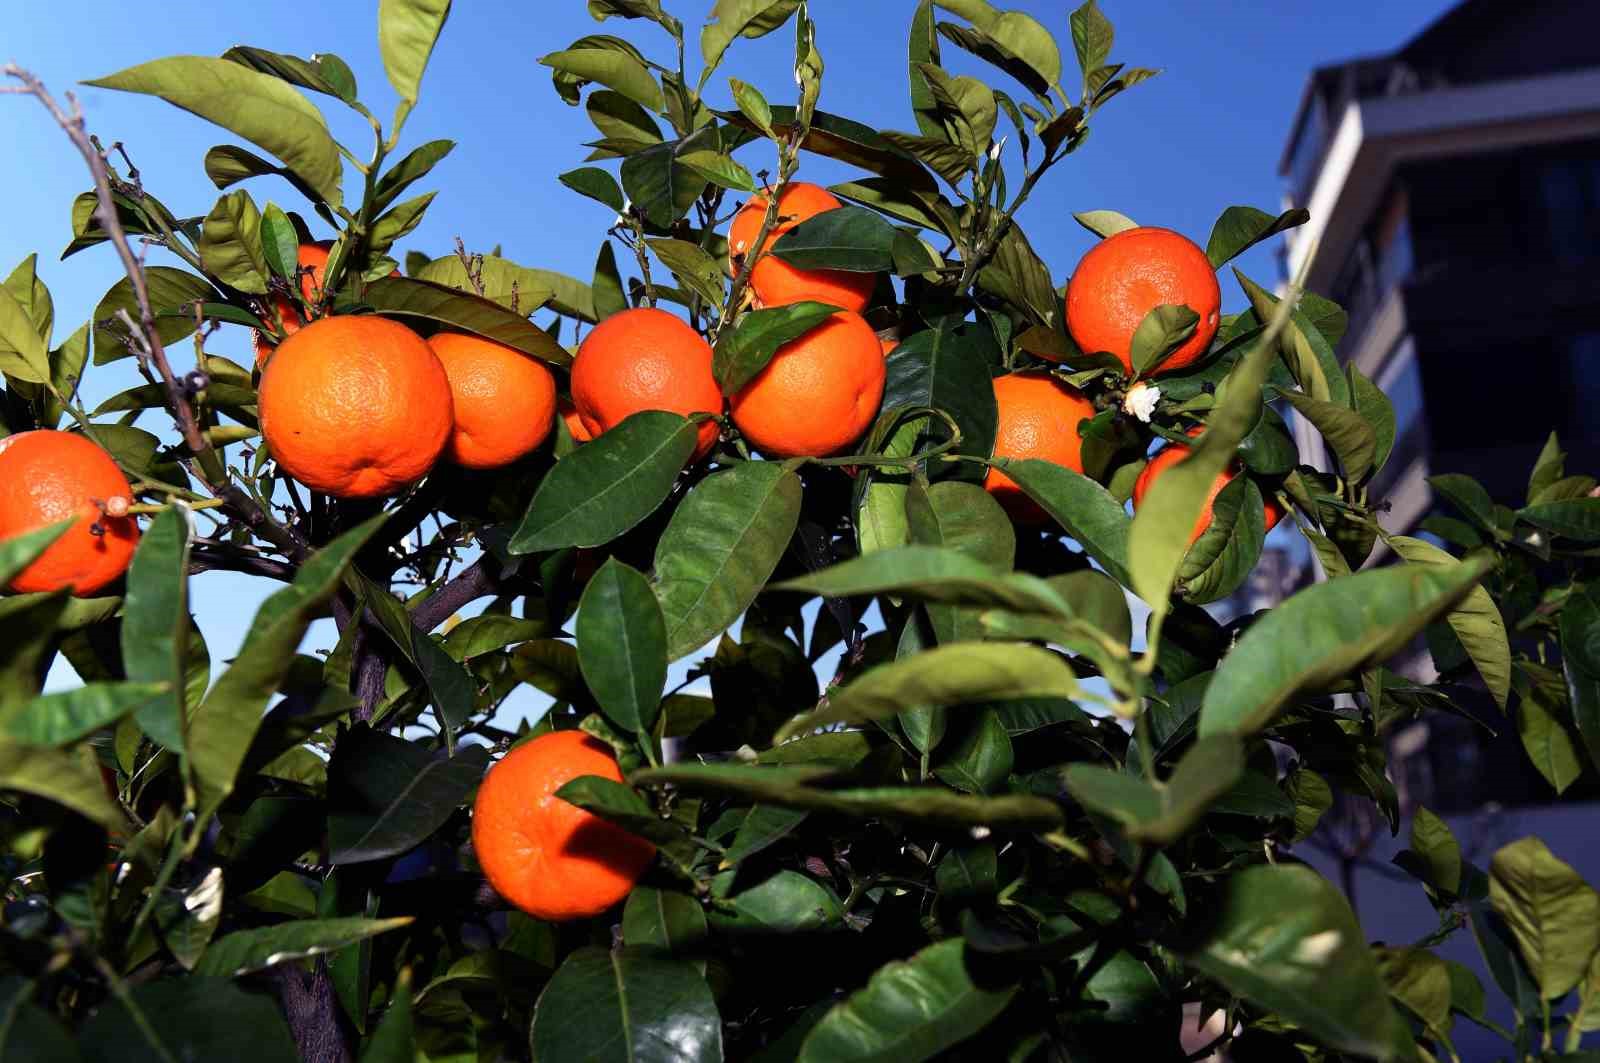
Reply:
x=1454 y=191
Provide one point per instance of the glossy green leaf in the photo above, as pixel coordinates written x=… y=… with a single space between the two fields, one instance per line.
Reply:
x=595 y=183
x=1347 y=432
x=1324 y=632
x=1476 y=622
x=1550 y=466
x=221 y=728
x=744 y=351
x=720 y=169
x=1437 y=848
x=933 y=574
x=910 y=1010
x=1285 y=939
x=978 y=758
x=1553 y=914
x=173 y=294
x=622 y=645
x=451 y=688
x=947 y=675
x=175 y=1019
x=1161 y=814
x=1087 y=511
x=399 y=221
x=1549 y=745
x=1241 y=228
x=230 y=243
x=407 y=32
x=514 y=287
x=847 y=238
x=1163 y=330
x=786 y=787
x=62 y=718
x=635 y=1005
x=1421 y=981
x=394 y=1038
x=731 y=19
x=258 y=107
x=946 y=368
x=1104 y=223
x=783 y=903
x=1467 y=496
x=18 y=553
x=609 y=485
x=385 y=794
x=70 y=778
x=752 y=105
x=410 y=297
x=1576 y=518
x=244 y=951
x=155 y=624
x=697 y=270
x=721 y=546
x=663 y=919
x=1376 y=409
x=659 y=187
x=614 y=69
x=765 y=825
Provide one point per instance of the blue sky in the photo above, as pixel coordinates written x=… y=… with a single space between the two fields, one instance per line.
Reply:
x=1174 y=151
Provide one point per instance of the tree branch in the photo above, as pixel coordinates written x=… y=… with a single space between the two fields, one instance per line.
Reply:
x=475 y=581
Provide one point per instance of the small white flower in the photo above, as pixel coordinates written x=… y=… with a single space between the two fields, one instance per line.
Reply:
x=622 y=219
x=1535 y=539
x=996 y=149
x=980 y=833
x=1141 y=401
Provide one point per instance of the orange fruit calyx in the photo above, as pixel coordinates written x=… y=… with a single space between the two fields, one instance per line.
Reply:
x=1129 y=274
x=550 y=858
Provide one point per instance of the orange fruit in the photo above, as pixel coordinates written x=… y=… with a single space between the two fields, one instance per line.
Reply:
x=315 y=258
x=505 y=401
x=817 y=395
x=888 y=343
x=1170 y=455
x=644 y=359
x=550 y=858
x=1039 y=418
x=355 y=406
x=1129 y=274
x=774 y=281
x=569 y=414
x=47 y=477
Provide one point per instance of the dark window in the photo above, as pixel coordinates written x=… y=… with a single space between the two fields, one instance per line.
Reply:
x=1581 y=386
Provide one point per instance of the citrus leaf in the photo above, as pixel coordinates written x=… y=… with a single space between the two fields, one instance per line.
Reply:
x=155 y=623
x=609 y=485
x=1104 y=223
x=1347 y=432
x=1476 y=621
x=742 y=352
x=845 y=238
x=258 y=107
x=62 y=718
x=615 y=70
x=932 y=574
x=1324 y=632
x=1086 y=510
x=18 y=553
x=1241 y=228
x=720 y=547
x=385 y=795
x=411 y=297
x=636 y=1005
x=407 y=32
x=622 y=645
x=244 y=951
x=1553 y=914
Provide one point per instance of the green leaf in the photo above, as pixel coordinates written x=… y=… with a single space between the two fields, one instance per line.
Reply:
x=1346 y=431
x=62 y=718
x=1161 y=814
x=407 y=31
x=515 y=287
x=1476 y=621
x=909 y=1010
x=1580 y=662
x=932 y=574
x=280 y=243
x=1307 y=351
x=413 y=297
x=845 y=238
x=1438 y=850
x=783 y=903
x=698 y=271
x=762 y=827
x=752 y=105
x=742 y=352
x=1553 y=914
x=665 y=920
x=635 y=1005
x=155 y=624
x=386 y=794
x=613 y=69
x=173 y=293
x=720 y=169
x=394 y=1039
x=1548 y=743
x=451 y=688
x=609 y=485
x=597 y=184
x=1576 y=518
x=609 y=298
x=244 y=951
x=398 y=222
x=258 y=107
x=1421 y=981
x=735 y=18
x=230 y=244
x=1324 y=632
x=1163 y=330
x=660 y=187
x=1285 y=939
x=70 y=778
x=1550 y=466
x=1467 y=496
x=1376 y=409
x=177 y=1019
x=979 y=757
x=946 y=368
x=24 y=354
x=18 y=553
x=720 y=548
x=1241 y=228
x=1104 y=223
x=947 y=675
x=325 y=73
x=221 y=728
x=28 y=1031
x=622 y=645
x=1091 y=38
x=415 y=166
x=784 y=786
x=1088 y=512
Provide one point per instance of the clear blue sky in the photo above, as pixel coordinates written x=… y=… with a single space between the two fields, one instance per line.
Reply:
x=1174 y=151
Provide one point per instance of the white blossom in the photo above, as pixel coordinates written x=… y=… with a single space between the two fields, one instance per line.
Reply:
x=1141 y=401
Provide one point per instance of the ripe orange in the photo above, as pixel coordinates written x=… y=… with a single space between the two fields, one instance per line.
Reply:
x=774 y=281
x=1039 y=417
x=1126 y=276
x=315 y=258
x=355 y=406
x=48 y=476
x=550 y=858
x=575 y=426
x=644 y=359
x=504 y=401
x=818 y=394
x=1170 y=455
